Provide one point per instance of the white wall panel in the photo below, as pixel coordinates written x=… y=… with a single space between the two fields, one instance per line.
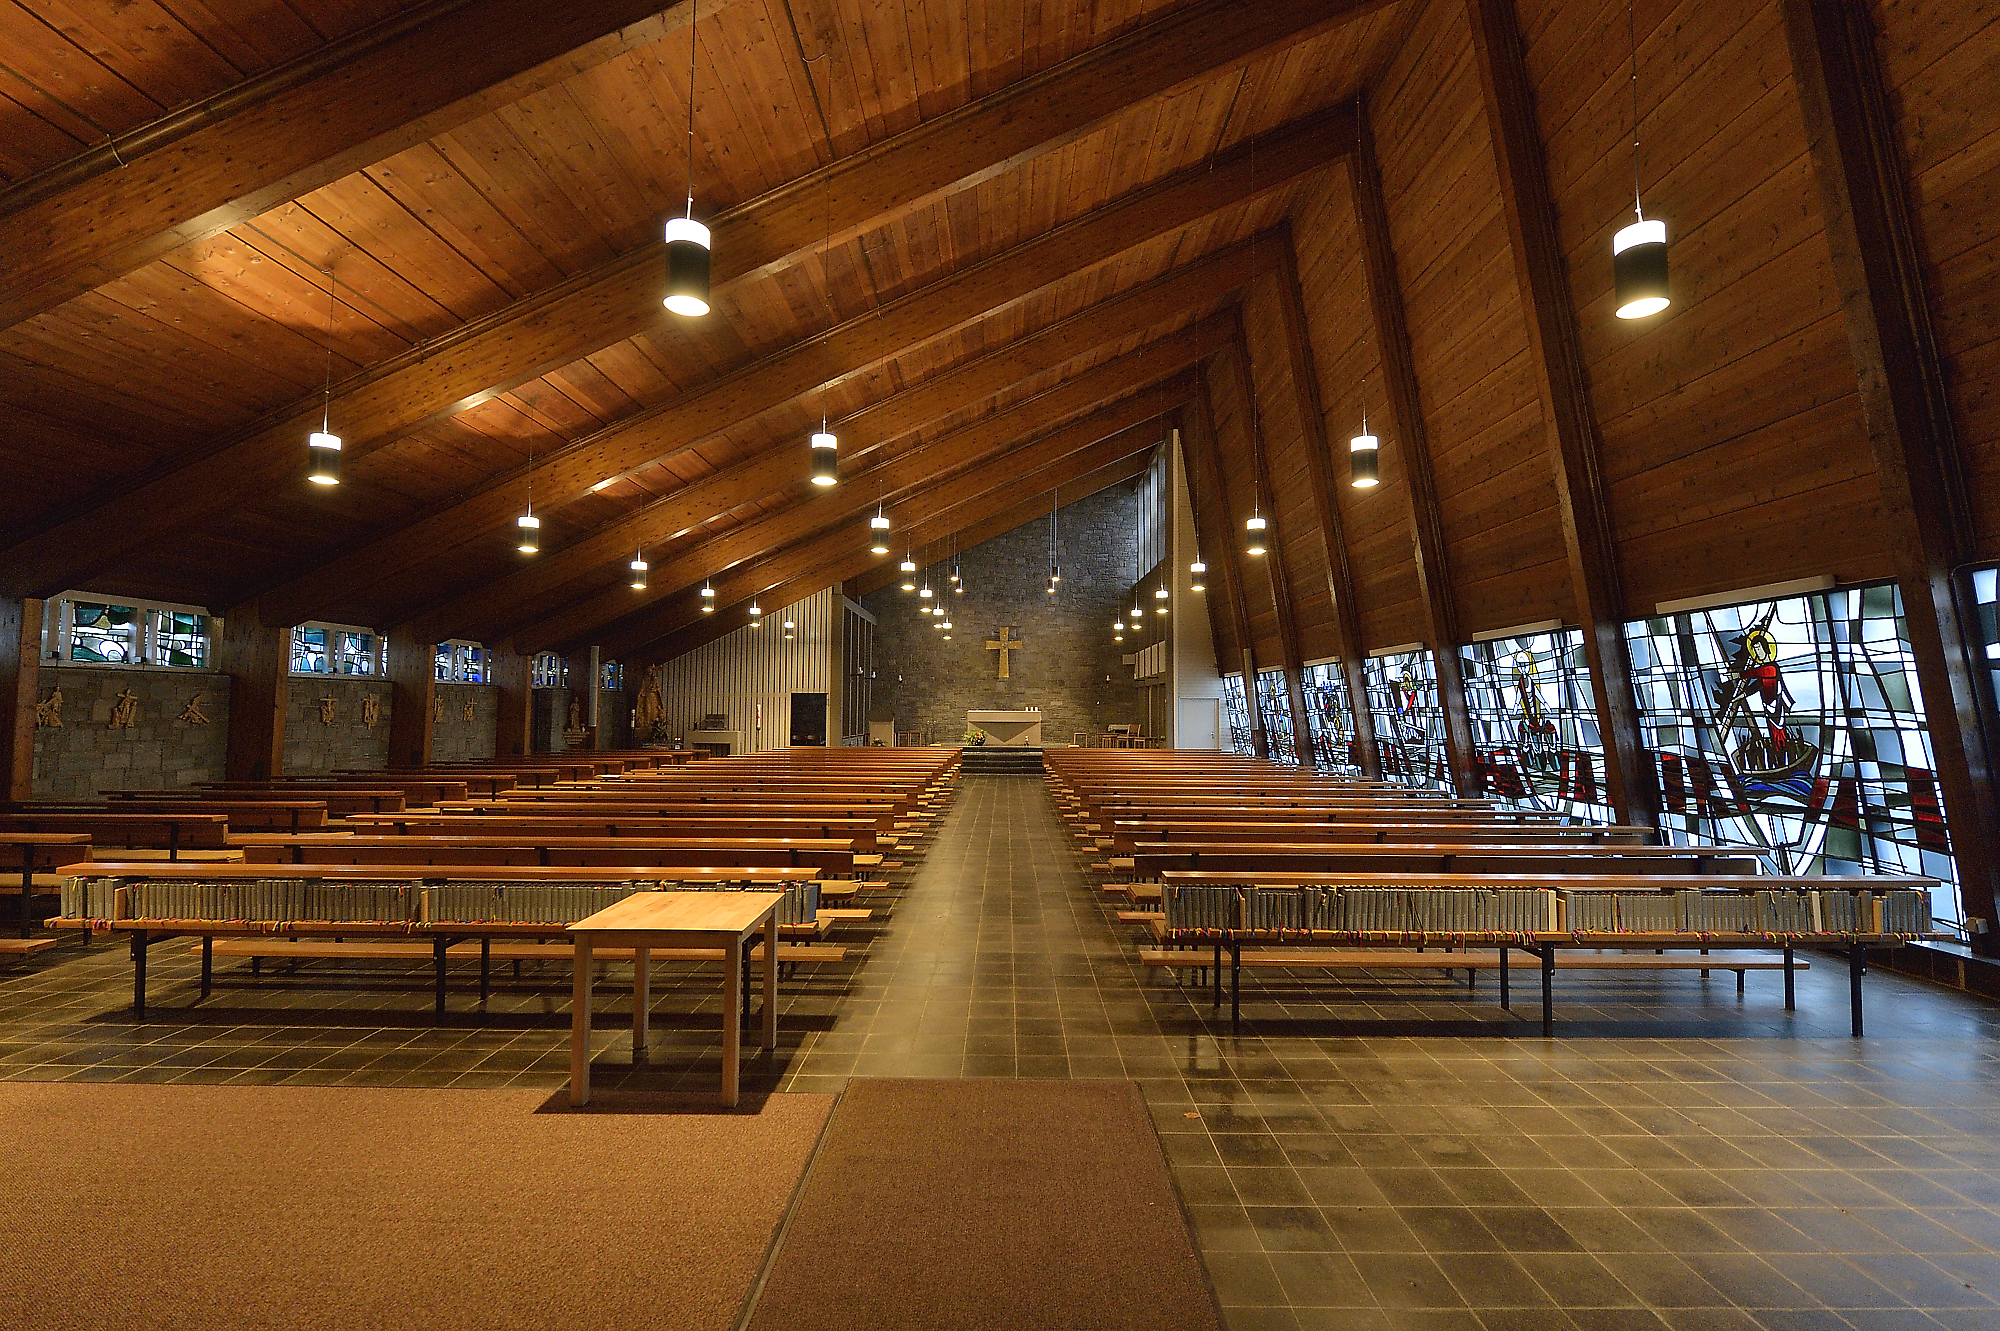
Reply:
x=737 y=673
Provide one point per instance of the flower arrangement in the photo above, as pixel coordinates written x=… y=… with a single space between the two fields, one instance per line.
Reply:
x=975 y=738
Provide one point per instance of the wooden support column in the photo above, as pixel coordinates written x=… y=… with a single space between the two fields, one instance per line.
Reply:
x=412 y=668
x=20 y=690
x=1275 y=565
x=1326 y=507
x=1541 y=274
x=1925 y=507
x=1392 y=337
x=513 y=674
x=257 y=658
x=1209 y=463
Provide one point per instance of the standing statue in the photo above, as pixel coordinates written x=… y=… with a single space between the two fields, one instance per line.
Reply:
x=649 y=718
x=575 y=714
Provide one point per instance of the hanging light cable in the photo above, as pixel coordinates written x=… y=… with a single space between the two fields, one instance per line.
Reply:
x=687 y=239
x=1639 y=251
x=323 y=448
x=825 y=447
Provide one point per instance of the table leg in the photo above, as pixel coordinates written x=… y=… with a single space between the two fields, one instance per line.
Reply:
x=139 y=973
x=771 y=983
x=1790 y=1002
x=579 y=1026
x=438 y=946
x=732 y=1021
x=642 y=999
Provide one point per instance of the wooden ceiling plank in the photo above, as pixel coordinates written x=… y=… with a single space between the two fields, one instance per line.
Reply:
x=293 y=129
x=620 y=298
x=906 y=485
x=1903 y=383
x=885 y=420
x=1570 y=419
x=852 y=348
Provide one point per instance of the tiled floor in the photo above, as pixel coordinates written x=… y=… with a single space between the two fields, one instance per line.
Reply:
x=1365 y=1155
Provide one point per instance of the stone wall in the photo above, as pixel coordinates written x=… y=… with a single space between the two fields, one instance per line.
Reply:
x=313 y=746
x=455 y=739
x=550 y=719
x=922 y=680
x=85 y=755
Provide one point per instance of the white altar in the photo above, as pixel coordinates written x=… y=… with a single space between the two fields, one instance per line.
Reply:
x=1008 y=730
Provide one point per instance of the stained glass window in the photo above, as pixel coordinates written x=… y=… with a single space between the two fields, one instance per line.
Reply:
x=179 y=639
x=87 y=631
x=104 y=634
x=1238 y=708
x=1409 y=724
x=1795 y=727
x=333 y=649
x=1275 y=707
x=1986 y=591
x=461 y=662
x=614 y=676
x=1535 y=739
x=1330 y=720
x=550 y=670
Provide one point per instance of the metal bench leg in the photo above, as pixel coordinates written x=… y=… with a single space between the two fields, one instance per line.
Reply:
x=1704 y=970
x=207 y=962
x=438 y=946
x=1217 y=1004
x=1857 y=962
x=1791 y=1004
x=27 y=890
x=1504 y=1003
x=1739 y=980
x=485 y=969
x=1235 y=984
x=139 y=940
x=1548 y=991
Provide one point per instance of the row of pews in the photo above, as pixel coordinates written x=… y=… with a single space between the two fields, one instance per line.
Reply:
x=494 y=860
x=1234 y=861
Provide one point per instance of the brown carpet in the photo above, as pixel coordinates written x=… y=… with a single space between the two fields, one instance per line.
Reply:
x=249 y=1207
x=999 y=1205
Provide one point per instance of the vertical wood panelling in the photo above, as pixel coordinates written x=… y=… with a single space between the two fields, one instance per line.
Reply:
x=1239 y=496
x=749 y=667
x=1733 y=446
x=20 y=690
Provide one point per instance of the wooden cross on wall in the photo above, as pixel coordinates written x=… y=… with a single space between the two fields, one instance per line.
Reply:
x=1003 y=646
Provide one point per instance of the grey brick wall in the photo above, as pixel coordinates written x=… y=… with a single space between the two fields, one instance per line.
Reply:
x=312 y=746
x=922 y=680
x=159 y=751
x=454 y=739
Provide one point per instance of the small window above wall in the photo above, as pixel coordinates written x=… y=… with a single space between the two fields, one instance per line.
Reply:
x=550 y=671
x=614 y=676
x=461 y=662
x=336 y=649
x=97 y=630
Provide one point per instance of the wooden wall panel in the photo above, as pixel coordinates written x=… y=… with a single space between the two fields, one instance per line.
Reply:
x=1377 y=521
x=1933 y=55
x=1733 y=446
x=1211 y=534
x=1292 y=517
x=1468 y=335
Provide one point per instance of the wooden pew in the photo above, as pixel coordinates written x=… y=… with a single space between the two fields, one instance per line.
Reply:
x=1125 y=836
x=197 y=829
x=35 y=851
x=418 y=792
x=828 y=855
x=861 y=831
x=1151 y=859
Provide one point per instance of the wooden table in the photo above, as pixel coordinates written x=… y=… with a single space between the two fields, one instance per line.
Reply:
x=648 y=920
x=50 y=850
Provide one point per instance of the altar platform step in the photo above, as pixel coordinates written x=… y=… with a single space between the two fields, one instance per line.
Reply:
x=993 y=760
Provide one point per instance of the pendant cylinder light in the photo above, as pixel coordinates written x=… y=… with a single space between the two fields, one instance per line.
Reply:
x=756 y=616
x=707 y=598
x=1364 y=461
x=877 y=525
x=825 y=458
x=1255 y=526
x=1639 y=269
x=323 y=446
x=529 y=533
x=687 y=267
x=638 y=572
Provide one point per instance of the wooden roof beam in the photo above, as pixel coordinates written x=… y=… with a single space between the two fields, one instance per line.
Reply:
x=1196 y=286
x=925 y=490
x=1541 y=274
x=958 y=503
x=825 y=360
x=295 y=128
x=1205 y=461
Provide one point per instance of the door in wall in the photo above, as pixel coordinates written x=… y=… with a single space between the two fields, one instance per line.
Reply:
x=1198 y=723
x=809 y=718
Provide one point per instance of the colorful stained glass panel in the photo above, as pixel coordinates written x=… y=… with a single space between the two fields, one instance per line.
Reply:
x=1535 y=738
x=1409 y=724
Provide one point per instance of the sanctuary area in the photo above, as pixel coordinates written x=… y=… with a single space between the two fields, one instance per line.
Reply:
x=1000 y=665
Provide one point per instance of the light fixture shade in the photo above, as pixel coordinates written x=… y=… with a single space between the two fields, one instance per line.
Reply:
x=323 y=458
x=925 y=594
x=908 y=565
x=687 y=267
x=1159 y=610
x=1364 y=461
x=909 y=586
x=1256 y=547
x=954 y=575
x=755 y=610
x=638 y=575
x=1055 y=573
x=958 y=590
x=1256 y=523
x=1159 y=593
x=880 y=522
x=825 y=459
x=947 y=623
x=790 y=625
x=707 y=609
x=1199 y=586
x=878 y=549
x=1197 y=568
x=1639 y=269
x=530 y=539
x=707 y=592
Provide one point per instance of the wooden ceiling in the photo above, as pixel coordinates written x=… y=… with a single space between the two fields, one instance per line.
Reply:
x=987 y=240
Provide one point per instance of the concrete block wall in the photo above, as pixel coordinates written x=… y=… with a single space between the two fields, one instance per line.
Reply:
x=457 y=739
x=313 y=746
x=922 y=680
x=83 y=756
